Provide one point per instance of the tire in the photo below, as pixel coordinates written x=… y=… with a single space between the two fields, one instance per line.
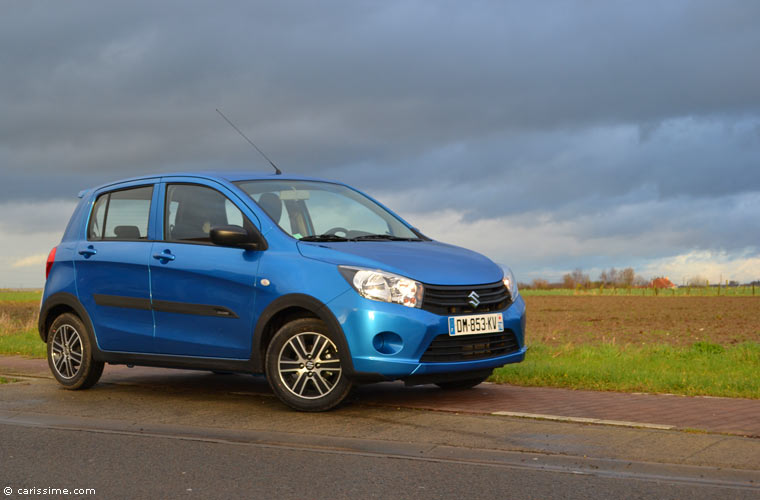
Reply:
x=69 y=353
x=461 y=384
x=304 y=368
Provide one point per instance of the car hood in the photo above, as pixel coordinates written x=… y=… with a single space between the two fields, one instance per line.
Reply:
x=425 y=261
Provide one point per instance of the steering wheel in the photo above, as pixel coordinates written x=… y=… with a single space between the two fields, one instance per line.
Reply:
x=337 y=229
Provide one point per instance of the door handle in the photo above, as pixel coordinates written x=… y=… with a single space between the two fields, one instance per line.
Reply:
x=88 y=252
x=165 y=255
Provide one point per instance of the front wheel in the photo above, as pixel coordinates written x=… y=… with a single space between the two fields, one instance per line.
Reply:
x=303 y=366
x=69 y=353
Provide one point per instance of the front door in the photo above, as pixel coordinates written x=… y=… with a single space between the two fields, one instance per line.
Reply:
x=203 y=294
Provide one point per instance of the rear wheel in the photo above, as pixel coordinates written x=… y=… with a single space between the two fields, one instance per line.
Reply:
x=303 y=366
x=461 y=384
x=69 y=353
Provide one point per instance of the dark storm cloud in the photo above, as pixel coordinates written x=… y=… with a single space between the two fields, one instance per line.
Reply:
x=490 y=108
x=115 y=86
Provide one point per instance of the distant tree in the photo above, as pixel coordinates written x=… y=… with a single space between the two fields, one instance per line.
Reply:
x=580 y=278
x=627 y=277
x=575 y=279
x=613 y=277
x=540 y=284
x=640 y=281
x=697 y=281
x=567 y=281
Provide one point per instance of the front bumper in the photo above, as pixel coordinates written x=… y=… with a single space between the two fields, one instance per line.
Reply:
x=362 y=320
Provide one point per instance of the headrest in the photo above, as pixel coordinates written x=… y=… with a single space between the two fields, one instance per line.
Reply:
x=272 y=205
x=127 y=232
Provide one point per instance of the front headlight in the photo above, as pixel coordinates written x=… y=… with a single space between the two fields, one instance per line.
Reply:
x=383 y=286
x=510 y=282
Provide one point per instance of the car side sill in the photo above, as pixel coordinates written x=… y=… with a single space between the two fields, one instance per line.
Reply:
x=180 y=362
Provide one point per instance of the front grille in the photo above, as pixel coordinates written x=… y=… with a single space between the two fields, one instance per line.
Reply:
x=445 y=348
x=440 y=299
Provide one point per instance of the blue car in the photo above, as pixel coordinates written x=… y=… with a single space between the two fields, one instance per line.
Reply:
x=311 y=282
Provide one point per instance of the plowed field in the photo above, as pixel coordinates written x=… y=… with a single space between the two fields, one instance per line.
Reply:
x=677 y=321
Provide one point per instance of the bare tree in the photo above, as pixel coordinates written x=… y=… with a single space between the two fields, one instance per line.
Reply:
x=627 y=276
x=640 y=281
x=575 y=279
x=610 y=277
x=603 y=278
x=697 y=281
x=567 y=281
x=540 y=284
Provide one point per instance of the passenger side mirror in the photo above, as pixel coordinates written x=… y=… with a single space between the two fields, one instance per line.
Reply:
x=236 y=236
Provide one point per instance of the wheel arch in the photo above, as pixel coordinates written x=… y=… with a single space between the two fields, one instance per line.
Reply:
x=61 y=303
x=287 y=308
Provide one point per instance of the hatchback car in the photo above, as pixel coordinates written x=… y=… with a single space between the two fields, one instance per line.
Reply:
x=311 y=282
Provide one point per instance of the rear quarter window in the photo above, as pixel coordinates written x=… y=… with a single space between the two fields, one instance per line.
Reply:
x=121 y=215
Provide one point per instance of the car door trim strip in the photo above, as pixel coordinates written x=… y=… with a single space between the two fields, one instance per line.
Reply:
x=164 y=306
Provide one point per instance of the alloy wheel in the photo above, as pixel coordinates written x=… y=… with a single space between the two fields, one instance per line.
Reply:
x=309 y=366
x=67 y=351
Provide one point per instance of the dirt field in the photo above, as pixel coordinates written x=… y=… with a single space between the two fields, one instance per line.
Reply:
x=623 y=320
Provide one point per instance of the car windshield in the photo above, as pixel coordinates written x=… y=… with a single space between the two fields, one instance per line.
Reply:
x=322 y=211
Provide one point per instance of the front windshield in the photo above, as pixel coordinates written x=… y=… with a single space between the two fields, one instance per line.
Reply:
x=321 y=211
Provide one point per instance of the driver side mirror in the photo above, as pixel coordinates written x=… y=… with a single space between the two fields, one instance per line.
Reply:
x=236 y=236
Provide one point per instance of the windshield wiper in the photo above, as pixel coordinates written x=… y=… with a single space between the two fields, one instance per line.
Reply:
x=386 y=237
x=364 y=237
x=324 y=237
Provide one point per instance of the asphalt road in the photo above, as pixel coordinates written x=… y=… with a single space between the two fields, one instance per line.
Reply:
x=201 y=436
x=133 y=466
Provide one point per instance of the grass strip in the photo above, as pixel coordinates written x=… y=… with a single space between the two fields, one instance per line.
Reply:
x=702 y=369
x=26 y=343
x=20 y=296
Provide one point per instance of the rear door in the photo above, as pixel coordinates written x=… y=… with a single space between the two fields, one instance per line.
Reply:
x=112 y=267
x=203 y=294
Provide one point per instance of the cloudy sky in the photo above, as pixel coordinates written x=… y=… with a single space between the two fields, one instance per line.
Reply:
x=547 y=135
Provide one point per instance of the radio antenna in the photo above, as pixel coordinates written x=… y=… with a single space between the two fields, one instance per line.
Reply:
x=276 y=170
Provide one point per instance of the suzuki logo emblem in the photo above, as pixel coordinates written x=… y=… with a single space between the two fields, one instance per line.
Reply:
x=474 y=299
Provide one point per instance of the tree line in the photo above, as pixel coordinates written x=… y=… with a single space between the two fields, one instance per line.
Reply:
x=611 y=278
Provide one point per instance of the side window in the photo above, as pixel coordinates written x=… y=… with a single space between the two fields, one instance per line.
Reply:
x=192 y=210
x=121 y=215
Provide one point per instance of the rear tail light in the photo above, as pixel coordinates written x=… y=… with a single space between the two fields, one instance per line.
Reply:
x=49 y=263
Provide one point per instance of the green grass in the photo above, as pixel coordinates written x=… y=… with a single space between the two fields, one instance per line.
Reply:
x=738 y=291
x=20 y=296
x=26 y=343
x=703 y=369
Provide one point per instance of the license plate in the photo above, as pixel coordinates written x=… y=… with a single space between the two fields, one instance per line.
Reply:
x=476 y=323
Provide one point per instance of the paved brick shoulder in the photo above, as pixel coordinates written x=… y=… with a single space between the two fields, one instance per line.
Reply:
x=728 y=415
x=16 y=365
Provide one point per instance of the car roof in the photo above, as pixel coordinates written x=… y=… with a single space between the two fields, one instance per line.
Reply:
x=229 y=176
